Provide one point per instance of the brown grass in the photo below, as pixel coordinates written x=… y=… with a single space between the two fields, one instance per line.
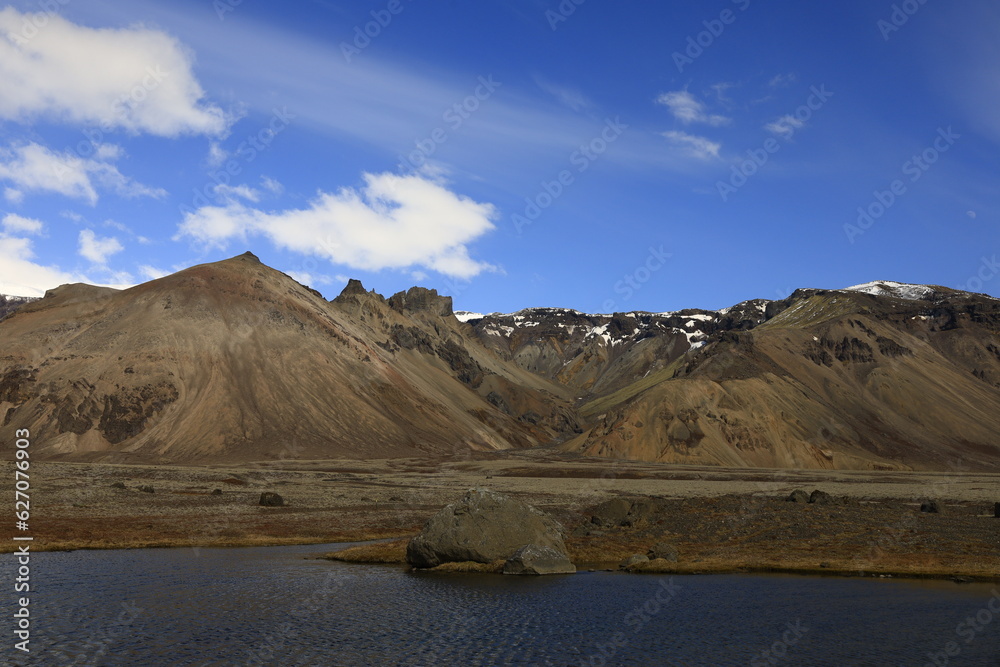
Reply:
x=380 y=552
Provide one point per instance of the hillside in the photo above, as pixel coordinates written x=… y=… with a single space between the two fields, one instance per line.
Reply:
x=234 y=361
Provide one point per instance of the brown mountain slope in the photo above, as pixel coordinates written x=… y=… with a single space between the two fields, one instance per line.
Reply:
x=236 y=361
x=836 y=380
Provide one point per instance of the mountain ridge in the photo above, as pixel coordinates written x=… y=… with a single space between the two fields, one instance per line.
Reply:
x=236 y=361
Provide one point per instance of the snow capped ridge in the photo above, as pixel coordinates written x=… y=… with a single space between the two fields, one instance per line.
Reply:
x=891 y=288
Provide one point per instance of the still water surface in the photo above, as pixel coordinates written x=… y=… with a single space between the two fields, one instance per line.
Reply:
x=275 y=606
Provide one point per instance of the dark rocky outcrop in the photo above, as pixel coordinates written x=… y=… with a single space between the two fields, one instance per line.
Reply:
x=798 y=496
x=533 y=559
x=932 y=507
x=483 y=527
x=818 y=497
x=270 y=499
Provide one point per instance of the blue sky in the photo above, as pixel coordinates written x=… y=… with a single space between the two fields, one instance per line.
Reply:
x=604 y=157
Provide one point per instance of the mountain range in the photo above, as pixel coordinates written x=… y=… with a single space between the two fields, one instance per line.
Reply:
x=234 y=361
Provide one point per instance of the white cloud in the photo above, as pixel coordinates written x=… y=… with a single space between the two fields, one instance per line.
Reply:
x=97 y=250
x=687 y=109
x=230 y=193
x=19 y=276
x=135 y=78
x=14 y=224
x=971 y=214
x=32 y=167
x=271 y=185
x=785 y=127
x=695 y=146
x=13 y=196
x=216 y=154
x=394 y=222
x=151 y=272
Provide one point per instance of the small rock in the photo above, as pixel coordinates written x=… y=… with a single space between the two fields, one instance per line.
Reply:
x=663 y=550
x=121 y=485
x=396 y=499
x=147 y=489
x=632 y=561
x=825 y=565
x=820 y=497
x=270 y=499
x=798 y=496
x=931 y=507
x=996 y=511
x=217 y=492
x=534 y=559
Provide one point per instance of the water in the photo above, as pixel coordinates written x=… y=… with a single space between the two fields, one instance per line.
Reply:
x=272 y=606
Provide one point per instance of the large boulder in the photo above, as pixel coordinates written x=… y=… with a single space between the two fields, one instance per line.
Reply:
x=483 y=527
x=798 y=496
x=533 y=559
x=663 y=551
x=270 y=499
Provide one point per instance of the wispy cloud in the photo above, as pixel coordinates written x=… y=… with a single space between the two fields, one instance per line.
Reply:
x=694 y=146
x=565 y=95
x=34 y=168
x=785 y=127
x=687 y=109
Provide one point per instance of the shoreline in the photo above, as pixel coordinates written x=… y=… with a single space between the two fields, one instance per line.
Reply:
x=720 y=520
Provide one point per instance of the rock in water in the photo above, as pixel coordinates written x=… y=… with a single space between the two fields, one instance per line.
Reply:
x=271 y=499
x=798 y=496
x=483 y=527
x=533 y=559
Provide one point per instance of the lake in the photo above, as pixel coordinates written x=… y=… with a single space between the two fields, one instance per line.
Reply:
x=276 y=606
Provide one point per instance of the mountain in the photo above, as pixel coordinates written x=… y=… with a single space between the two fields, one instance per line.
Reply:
x=878 y=376
x=8 y=304
x=234 y=361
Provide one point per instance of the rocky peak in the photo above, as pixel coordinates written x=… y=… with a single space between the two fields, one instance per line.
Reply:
x=421 y=300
